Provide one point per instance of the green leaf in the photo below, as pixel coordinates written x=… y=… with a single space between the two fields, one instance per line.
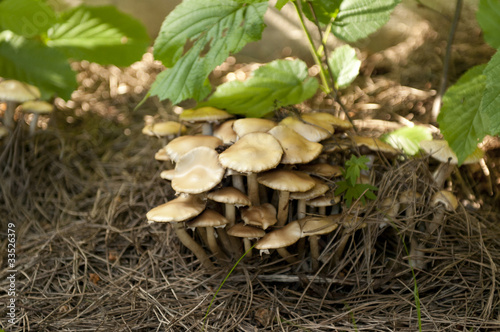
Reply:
x=325 y=10
x=488 y=17
x=276 y=84
x=32 y=62
x=460 y=120
x=359 y=18
x=99 y=34
x=27 y=18
x=345 y=65
x=354 y=167
x=281 y=3
x=214 y=29
x=408 y=138
x=490 y=104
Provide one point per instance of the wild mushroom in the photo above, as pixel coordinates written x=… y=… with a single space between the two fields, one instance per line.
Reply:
x=167 y=129
x=281 y=238
x=313 y=227
x=209 y=220
x=311 y=130
x=251 y=154
x=442 y=200
x=206 y=115
x=225 y=132
x=324 y=117
x=183 y=144
x=262 y=216
x=252 y=125
x=176 y=211
x=296 y=149
x=36 y=107
x=247 y=233
x=13 y=93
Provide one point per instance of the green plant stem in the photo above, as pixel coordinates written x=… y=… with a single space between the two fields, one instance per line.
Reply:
x=324 y=83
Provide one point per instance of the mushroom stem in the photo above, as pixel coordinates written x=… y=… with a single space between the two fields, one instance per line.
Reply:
x=33 y=123
x=212 y=244
x=314 y=248
x=237 y=180
x=287 y=255
x=341 y=246
x=207 y=129
x=248 y=246
x=442 y=173
x=437 y=220
x=232 y=242
x=301 y=208
x=253 y=189
x=8 y=118
x=189 y=243
x=283 y=203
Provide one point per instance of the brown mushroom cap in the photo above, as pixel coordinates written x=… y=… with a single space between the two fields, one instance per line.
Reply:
x=313 y=131
x=446 y=198
x=226 y=133
x=322 y=169
x=244 y=231
x=162 y=155
x=374 y=144
x=182 y=208
x=320 y=188
x=166 y=128
x=229 y=195
x=37 y=106
x=318 y=225
x=285 y=180
x=330 y=119
x=296 y=149
x=441 y=151
x=262 y=216
x=12 y=90
x=252 y=153
x=328 y=199
x=252 y=125
x=197 y=171
x=204 y=114
x=281 y=238
x=180 y=145
x=209 y=218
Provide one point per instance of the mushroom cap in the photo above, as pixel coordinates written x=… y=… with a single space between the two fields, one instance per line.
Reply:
x=12 y=90
x=328 y=199
x=242 y=230
x=313 y=131
x=252 y=153
x=197 y=171
x=182 y=208
x=320 y=188
x=441 y=151
x=446 y=198
x=204 y=114
x=209 y=218
x=162 y=155
x=37 y=106
x=280 y=238
x=252 y=125
x=229 y=195
x=322 y=169
x=177 y=147
x=262 y=216
x=168 y=174
x=165 y=128
x=374 y=144
x=330 y=119
x=285 y=180
x=226 y=133
x=390 y=206
x=408 y=196
x=296 y=149
x=318 y=225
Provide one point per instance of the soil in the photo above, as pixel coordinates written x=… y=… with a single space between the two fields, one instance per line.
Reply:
x=77 y=192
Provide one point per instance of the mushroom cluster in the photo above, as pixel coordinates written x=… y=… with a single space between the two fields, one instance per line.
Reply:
x=257 y=179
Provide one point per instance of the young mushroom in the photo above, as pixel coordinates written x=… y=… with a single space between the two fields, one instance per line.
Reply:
x=281 y=238
x=210 y=220
x=206 y=115
x=247 y=233
x=13 y=93
x=442 y=200
x=36 y=107
x=313 y=227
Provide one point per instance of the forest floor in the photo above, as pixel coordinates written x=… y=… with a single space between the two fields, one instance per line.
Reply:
x=77 y=193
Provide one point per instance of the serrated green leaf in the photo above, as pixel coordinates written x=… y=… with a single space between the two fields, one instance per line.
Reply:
x=460 y=120
x=325 y=10
x=276 y=84
x=281 y=3
x=488 y=17
x=215 y=29
x=27 y=18
x=99 y=34
x=32 y=62
x=359 y=18
x=408 y=138
x=490 y=104
x=345 y=65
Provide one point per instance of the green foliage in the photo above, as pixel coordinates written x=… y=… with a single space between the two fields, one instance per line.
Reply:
x=325 y=10
x=276 y=84
x=345 y=65
x=214 y=29
x=36 y=43
x=408 y=138
x=349 y=187
x=488 y=17
x=490 y=104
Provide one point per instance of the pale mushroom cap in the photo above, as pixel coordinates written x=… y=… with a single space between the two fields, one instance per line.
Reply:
x=198 y=171
x=328 y=199
x=446 y=198
x=262 y=216
x=321 y=169
x=318 y=225
x=441 y=151
x=244 y=231
x=209 y=218
x=230 y=195
x=166 y=128
x=320 y=188
x=12 y=90
x=181 y=145
x=296 y=149
x=162 y=155
x=408 y=196
x=374 y=144
x=285 y=180
x=331 y=119
x=390 y=206
x=204 y=114
x=252 y=153
x=252 y=125
x=182 y=208
x=314 y=132
x=37 y=106
x=281 y=238
x=226 y=133
x=168 y=174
